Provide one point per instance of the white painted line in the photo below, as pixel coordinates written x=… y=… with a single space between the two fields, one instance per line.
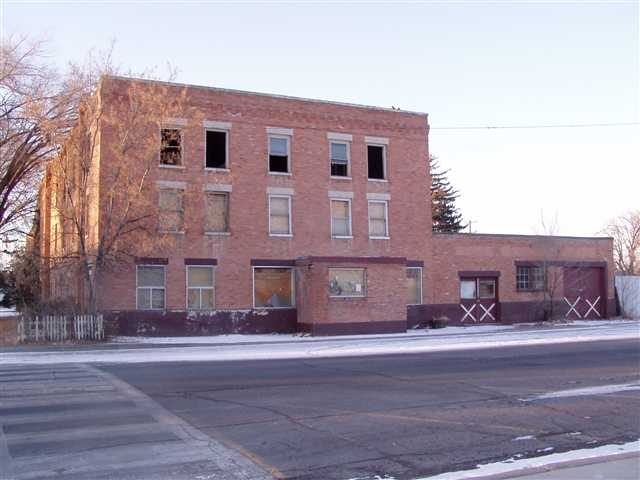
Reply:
x=587 y=391
x=522 y=466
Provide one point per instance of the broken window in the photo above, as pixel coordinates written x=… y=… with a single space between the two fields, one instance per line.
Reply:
x=414 y=285
x=340 y=218
x=347 y=282
x=376 y=163
x=171 y=147
x=150 y=287
x=200 y=293
x=279 y=215
x=378 y=221
x=216 y=149
x=170 y=210
x=530 y=278
x=273 y=287
x=278 y=154
x=216 y=212
x=339 y=159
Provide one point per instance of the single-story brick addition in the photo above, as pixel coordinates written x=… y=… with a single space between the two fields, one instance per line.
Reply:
x=283 y=214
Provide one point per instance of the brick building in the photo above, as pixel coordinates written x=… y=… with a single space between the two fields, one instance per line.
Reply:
x=279 y=214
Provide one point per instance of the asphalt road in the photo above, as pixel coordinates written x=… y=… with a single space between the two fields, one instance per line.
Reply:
x=402 y=416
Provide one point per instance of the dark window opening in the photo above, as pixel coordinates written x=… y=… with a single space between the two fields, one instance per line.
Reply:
x=171 y=147
x=216 y=149
x=339 y=170
x=279 y=154
x=375 y=155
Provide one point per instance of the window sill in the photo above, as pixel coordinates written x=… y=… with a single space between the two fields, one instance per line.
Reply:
x=218 y=234
x=217 y=170
x=281 y=174
x=342 y=237
x=339 y=178
x=274 y=308
x=171 y=232
x=379 y=238
x=378 y=180
x=281 y=235
x=172 y=167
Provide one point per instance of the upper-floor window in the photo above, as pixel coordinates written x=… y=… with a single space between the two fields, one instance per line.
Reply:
x=340 y=218
x=171 y=147
x=216 y=149
x=340 y=159
x=530 y=278
x=378 y=219
x=279 y=154
x=170 y=210
x=216 y=212
x=376 y=162
x=280 y=215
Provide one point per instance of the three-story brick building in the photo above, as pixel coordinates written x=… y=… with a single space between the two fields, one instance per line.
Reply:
x=280 y=214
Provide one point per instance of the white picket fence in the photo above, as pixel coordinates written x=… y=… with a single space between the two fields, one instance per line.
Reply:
x=58 y=328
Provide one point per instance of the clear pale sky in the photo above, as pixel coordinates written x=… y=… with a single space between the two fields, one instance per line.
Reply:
x=465 y=63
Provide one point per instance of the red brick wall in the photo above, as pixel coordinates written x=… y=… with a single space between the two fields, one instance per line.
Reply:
x=408 y=186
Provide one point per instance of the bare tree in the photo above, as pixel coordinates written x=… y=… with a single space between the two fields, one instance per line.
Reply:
x=104 y=202
x=36 y=113
x=625 y=231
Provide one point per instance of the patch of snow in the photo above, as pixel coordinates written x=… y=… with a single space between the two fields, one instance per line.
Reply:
x=575 y=433
x=544 y=450
x=525 y=437
x=587 y=391
x=513 y=465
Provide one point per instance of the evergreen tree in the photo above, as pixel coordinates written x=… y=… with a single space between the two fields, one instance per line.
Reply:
x=446 y=218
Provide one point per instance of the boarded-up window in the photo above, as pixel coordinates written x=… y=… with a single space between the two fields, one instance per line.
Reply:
x=339 y=159
x=278 y=154
x=216 y=212
x=150 y=287
x=273 y=287
x=340 y=218
x=200 y=292
x=378 y=224
x=170 y=210
x=171 y=146
x=414 y=285
x=279 y=215
x=375 y=160
x=216 y=149
x=347 y=282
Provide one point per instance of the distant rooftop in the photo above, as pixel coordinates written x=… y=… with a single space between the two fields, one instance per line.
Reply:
x=272 y=95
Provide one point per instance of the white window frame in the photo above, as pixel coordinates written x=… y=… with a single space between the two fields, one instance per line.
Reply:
x=213 y=287
x=164 y=288
x=289 y=162
x=421 y=287
x=338 y=199
x=384 y=162
x=348 y=144
x=365 y=289
x=226 y=146
x=288 y=197
x=387 y=236
x=253 y=286
x=180 y=128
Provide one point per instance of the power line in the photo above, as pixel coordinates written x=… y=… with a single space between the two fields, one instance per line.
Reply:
x=568 y=125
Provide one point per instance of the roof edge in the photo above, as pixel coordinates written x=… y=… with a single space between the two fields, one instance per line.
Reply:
x=520 y=235
x=270 y=95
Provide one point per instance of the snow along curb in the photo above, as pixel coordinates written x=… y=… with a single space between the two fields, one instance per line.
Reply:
x=307 y=350
x=511 y=467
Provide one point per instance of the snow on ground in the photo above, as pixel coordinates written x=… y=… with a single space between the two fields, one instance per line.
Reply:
x=250 y=347
x=521 y=466
x=581 y=392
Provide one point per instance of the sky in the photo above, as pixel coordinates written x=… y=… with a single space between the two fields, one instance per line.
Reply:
x=467 y=64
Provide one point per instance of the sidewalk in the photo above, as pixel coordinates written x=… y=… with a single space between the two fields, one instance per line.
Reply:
x=627 y=468
x=270 y=347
